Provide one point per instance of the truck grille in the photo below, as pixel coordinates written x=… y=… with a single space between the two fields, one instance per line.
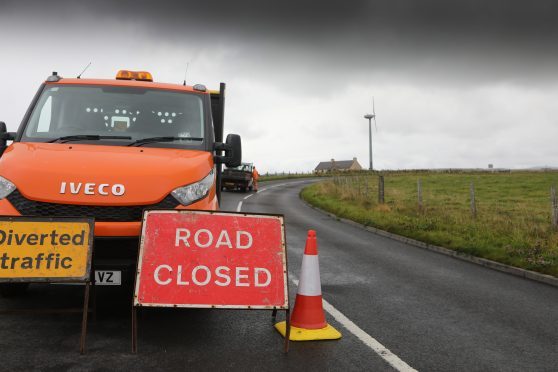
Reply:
x=29 y=207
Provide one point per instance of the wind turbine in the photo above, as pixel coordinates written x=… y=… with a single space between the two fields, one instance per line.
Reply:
x=370 y=117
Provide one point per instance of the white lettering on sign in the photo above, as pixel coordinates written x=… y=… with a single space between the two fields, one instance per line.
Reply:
x=223 y=239
x=179 y=280
x=202 y=275
x=182 y=235
x=203 y=238
x=195 y=276
x=156 y=275
x=239 y=238
x=219 y=273
x=209 y=238
x=91 y=188
x=259 y=270
x=240 y=276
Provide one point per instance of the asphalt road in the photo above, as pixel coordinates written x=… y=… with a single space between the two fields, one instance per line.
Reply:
x=434 y=312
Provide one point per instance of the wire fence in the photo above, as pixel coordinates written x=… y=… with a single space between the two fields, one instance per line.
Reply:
x=475 y=195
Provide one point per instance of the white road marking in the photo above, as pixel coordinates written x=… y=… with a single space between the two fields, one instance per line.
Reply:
x=392 y=359
x=239 y=207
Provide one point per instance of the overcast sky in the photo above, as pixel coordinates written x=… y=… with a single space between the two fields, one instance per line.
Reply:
x=456 y=83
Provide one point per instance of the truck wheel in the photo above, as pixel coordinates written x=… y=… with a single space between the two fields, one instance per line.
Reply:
x=13 y=289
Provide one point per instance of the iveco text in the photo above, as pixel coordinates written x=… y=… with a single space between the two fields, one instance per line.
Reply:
x=89 y=188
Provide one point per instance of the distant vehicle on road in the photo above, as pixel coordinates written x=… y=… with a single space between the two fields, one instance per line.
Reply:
x=238 y=178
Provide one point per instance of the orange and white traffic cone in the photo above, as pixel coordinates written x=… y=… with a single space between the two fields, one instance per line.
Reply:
x=308 y=321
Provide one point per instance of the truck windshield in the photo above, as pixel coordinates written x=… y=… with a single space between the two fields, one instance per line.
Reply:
x=112 y=114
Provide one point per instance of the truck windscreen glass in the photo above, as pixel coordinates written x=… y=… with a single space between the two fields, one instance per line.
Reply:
x=116 y=112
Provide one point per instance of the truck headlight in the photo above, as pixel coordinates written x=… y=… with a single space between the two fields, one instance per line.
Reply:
x=6 y=187
x=188 y=194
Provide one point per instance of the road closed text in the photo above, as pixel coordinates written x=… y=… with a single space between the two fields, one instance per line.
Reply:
x=204 y=238
x=202 y=275
x=212 y=259
x=222 y=276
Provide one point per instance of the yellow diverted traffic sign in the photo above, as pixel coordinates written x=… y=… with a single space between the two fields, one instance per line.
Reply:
x=45 y=249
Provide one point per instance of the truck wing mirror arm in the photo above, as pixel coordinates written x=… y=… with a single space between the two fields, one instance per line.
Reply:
x=8 y=136
x=5 y=136
x=233 y=151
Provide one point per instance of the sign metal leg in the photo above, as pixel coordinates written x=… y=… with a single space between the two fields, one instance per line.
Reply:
x=94 y=301
x=134 y=330
x=274 y=315
x=84 y=319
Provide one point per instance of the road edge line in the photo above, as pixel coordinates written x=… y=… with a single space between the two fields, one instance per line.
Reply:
x=497 y=266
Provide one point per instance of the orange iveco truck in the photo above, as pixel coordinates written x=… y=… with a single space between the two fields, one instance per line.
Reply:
x=110 y=148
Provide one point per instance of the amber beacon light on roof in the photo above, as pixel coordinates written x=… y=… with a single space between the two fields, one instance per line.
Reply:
x=134 y=75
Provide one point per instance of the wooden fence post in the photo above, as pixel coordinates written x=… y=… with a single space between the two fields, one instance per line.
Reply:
x=381 y=189
x=554 y=207
x=419 y=195
x=359 y=193
x=473 y=203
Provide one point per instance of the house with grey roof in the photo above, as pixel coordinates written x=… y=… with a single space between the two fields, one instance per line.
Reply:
x=338 y=166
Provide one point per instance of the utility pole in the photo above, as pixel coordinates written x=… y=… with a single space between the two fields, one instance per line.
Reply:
x=370 y=117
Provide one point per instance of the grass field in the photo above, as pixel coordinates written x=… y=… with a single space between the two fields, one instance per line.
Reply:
x=512 y=224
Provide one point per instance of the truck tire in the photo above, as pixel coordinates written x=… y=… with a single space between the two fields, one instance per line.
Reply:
x=13 y=289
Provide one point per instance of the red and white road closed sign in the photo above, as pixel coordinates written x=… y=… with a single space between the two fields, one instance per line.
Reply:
x=212 y=259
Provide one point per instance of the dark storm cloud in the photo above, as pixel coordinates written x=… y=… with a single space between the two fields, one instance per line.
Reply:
x=443 y=21
x=442 y=40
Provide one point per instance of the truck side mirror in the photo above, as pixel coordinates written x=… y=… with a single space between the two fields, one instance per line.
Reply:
x=233 y=151
x=233 y=140
x=4 y=137
x=3 y=132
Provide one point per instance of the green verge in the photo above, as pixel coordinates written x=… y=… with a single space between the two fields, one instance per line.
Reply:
x=512 y=224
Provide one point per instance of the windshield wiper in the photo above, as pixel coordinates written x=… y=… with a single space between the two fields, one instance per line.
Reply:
x=143 y=141
x=88 y=137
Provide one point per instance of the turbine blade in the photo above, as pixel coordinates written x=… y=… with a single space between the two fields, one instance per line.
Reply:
x=375 y=125
x=373 y=108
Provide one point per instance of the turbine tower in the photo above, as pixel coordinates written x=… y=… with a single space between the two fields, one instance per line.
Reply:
x=370 y=117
